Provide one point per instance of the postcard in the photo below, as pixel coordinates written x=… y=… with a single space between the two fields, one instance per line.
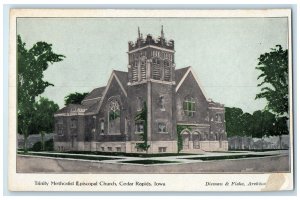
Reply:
x=150 y=100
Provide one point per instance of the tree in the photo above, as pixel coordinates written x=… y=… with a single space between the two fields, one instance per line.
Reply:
x=233 y=118
x=75 y=98
x=48 y=146
x=263 y=124
x=247 y=124
x=142 y=117
x=44 y=117
x=280 y=128
x=274 y=74
x=234 y=126
x=31 y=63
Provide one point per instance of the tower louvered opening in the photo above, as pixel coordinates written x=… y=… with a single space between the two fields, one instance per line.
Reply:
x=167 y=71
x=143 y=70
x=134 y=73
x=156 y=69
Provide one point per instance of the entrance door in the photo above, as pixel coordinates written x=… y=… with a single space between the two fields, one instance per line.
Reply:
x=196 y=144
x=74 y=142
x=186 y=141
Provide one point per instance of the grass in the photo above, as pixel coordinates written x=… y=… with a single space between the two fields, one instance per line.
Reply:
x=83 y=157
x=149 y=162
x=226 y=157
x=142 y=155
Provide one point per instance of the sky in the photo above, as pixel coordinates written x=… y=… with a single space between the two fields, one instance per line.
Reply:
x=222 y=51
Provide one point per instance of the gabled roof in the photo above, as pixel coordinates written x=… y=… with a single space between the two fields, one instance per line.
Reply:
x=62 y=110
x=93 y=108
x=72 y=108
x=95 y=93
x=92 y=102
x=181 y=76
x=123 y=78
x=179 y=73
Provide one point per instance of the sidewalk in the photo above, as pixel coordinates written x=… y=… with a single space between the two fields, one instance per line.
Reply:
x=175 y=159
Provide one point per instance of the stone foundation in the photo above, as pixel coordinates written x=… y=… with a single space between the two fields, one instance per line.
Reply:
x=206 y=146
x=62 y=146
x=130 y=146
x=214 y=145
x=109 y=146
x=162 y=147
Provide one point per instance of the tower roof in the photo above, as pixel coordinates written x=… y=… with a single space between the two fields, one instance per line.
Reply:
x=149 y=40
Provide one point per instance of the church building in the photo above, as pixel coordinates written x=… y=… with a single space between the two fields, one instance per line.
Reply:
x=150 y=108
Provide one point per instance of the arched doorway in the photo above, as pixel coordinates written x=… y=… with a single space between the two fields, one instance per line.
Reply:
x=196 y=140
x=185 y=139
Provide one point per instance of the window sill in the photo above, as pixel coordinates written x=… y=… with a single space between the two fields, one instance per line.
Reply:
x=163 y=132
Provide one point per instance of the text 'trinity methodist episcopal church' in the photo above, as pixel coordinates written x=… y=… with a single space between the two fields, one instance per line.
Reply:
x=170 y=100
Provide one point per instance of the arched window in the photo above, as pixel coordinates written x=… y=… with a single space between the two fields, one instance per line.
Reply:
x=189 y=106
x=218 y=118
x=139 y=103
x=162 y=127
x=114 y=117
x=74 y=123
x=196 y=139
x=114 y=110
x=60 y=128
x=162 y=103
x=101 y=128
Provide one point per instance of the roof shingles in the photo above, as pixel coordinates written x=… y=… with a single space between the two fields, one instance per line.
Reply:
x=95 y=93
x=179 y=73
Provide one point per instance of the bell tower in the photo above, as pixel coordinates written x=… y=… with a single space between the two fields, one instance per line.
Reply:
x=151 y=80
x=150 y=58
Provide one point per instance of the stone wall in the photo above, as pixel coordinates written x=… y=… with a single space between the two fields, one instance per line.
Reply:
x=166 y=116
x=135 y=93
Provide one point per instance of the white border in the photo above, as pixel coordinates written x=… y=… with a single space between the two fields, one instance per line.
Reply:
x=176 y=182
